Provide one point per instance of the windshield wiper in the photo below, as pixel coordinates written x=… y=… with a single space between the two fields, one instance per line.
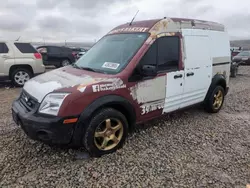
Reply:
x=83 y=68
x=87 y=68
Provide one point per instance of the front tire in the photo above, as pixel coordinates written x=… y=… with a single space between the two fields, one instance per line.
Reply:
x=19 y=76
x=215 y=100
x=106 y=132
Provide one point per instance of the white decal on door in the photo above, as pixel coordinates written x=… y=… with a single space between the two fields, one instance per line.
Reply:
x=152 y=106
x=149 y=90
x=111 y=65
x=116 y=84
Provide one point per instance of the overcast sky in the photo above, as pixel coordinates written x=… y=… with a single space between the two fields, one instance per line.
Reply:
x=87 y=20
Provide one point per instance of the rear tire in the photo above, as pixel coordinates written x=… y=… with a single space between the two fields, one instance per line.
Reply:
x=106 y=132
x=65 y=62
x=215 y=100
x=19 y=76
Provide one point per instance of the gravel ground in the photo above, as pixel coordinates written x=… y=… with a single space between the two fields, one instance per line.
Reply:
x=185 y=149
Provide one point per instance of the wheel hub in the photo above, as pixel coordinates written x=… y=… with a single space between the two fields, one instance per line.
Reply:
x=108 y=134
x=218 y=99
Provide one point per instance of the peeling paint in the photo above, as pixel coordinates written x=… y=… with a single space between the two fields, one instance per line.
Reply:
x=81 y=88
x=159 y=27
x=149 y=90
x=41 y=85
x=40 y=90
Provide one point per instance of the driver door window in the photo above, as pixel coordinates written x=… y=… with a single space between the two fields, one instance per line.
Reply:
x=163 y=53
x=168 y=54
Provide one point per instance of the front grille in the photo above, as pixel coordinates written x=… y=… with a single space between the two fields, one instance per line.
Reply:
x=28 y=101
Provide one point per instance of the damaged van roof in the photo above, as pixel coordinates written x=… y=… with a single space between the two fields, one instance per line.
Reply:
x=170 y=24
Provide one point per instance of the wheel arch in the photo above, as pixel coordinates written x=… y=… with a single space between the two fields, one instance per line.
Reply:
x=218 y=80
x=66 y=58
x=109 y=101
x=23 y=66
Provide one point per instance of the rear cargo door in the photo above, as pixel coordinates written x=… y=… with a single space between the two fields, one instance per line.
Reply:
x=198 y=68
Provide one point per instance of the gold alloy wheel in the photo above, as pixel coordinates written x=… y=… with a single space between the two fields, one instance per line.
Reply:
x=218 y=99
x=108 y=134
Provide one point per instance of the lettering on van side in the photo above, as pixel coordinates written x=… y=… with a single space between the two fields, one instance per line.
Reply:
x=107 y=87
x=152 y=106
x=129 y=29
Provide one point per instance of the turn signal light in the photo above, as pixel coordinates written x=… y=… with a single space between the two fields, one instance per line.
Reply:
x=67 y=121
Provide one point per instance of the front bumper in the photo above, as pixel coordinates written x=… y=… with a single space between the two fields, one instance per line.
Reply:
x=47 y=129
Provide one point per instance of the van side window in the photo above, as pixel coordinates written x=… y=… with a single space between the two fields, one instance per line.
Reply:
x=54 y=50
x=3 y=48
x=150 y=57
x=168 y=53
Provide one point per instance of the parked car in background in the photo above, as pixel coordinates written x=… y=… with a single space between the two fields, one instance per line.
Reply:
x=235 y=51
x=243 y=58
x=78 y=52
x=58 y=56
x=19 y=61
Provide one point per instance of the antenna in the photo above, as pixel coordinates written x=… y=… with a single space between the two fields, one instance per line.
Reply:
x=134 y=17
x=18 y=38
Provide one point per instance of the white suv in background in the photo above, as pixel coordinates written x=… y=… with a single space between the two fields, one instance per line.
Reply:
x=19 y=61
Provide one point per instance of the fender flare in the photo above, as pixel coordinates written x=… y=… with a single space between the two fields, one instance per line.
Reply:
x=107 y=101
x=102 y=102
x=218 y=79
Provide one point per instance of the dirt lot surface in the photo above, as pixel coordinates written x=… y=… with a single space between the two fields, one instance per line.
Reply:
x=185 y=149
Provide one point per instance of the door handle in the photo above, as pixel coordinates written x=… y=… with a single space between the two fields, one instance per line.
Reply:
x=190 y=74
x=177 y=76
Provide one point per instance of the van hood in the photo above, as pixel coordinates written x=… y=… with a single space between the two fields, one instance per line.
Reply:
x=41 y=85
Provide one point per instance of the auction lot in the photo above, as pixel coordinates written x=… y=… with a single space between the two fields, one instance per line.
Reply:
x=185 y=149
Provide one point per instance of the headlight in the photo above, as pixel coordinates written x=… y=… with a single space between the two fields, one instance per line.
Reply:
x=51 y=103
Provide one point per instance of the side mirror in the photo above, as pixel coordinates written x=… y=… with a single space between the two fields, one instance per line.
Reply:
x=149 y=70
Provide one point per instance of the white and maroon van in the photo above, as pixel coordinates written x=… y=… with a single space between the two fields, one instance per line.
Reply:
x=135 y=73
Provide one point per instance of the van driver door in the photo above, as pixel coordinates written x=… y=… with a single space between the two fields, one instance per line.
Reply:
x=162 y=93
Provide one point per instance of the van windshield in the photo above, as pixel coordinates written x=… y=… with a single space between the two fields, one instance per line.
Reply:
x=112 y=53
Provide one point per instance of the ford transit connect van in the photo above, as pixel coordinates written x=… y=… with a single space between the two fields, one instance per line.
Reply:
x=135 y=73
